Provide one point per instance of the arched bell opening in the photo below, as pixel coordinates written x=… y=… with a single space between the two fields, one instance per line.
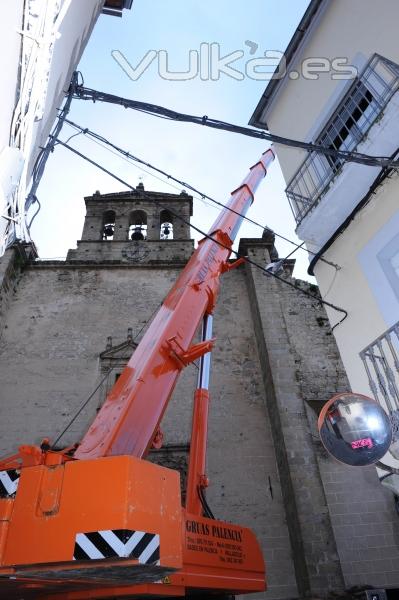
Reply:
x=137 y=226
x=108 y=228
x=166 y=225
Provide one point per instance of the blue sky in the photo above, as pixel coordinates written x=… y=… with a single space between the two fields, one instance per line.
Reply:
x=213 y=161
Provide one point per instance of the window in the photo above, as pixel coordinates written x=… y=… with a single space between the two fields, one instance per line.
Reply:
x=108 y=228
x=138 y=226
x=166 y=225
x=347 y=127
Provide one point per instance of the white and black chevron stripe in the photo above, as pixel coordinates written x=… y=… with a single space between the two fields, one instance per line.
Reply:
x=122 y=543
x=9 y=483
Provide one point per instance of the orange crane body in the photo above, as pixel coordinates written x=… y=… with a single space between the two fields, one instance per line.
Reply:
x=98 y=521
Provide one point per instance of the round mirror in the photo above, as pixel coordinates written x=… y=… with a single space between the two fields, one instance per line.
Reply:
x=355 y=429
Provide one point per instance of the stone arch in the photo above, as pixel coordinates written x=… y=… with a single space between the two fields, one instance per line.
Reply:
x=137 y=225
x=166 y=222
x=108 y=225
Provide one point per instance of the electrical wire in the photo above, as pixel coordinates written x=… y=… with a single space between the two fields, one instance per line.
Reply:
x=266 y=272
x=204 y=503
x=94 y=163
x=185 y=221
x=299 y=247
x=75 y=135
x=85 y=403
x=39 y=206
x=41 y=161
x=382 y=175
x=105 y=143
x=384 y=467
x=83 y=93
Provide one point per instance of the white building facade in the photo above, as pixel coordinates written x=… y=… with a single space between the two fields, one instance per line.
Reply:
x=337 y=86
x=42 y=42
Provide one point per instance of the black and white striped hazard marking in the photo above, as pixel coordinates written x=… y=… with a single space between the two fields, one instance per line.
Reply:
x=122 y=543
x=9 y=483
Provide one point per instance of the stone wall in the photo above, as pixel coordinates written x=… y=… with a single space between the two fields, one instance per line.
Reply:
x=125 y=204
x=175 y=252
x=343 y=525
x=12 y=264
x=322 y=526
x=57 y=325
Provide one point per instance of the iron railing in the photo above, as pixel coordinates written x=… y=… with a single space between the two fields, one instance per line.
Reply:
x=381 y=362
x=361 y=107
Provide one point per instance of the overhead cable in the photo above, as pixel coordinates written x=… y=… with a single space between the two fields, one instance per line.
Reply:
x=41 y=161
x=187 y=222
x=99 y=138
x=86 y=402
x=382 y=175
x=84 y=93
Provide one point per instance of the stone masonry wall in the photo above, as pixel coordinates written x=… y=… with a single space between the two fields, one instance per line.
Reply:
x=342 y=522
x=11 y=266
x=56 y=326
x=323 y=527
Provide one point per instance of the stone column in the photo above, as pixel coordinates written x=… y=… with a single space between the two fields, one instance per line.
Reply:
x=153 y=229
x=317 y=564
x=121 y=226
x=93 y=225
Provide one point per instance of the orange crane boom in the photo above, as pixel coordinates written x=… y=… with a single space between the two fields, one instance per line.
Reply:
x=130 y=416
x=98 y=521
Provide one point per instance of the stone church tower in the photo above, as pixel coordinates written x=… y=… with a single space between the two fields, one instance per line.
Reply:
x=68 y=328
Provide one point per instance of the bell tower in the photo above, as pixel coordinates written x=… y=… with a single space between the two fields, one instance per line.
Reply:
x=136 y=226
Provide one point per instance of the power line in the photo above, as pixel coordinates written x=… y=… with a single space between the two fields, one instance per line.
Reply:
x=107 y=374
x=127 y=155
x=246 y=259
x=83 y=406
x=266 y=272
x=95 y=164
x=155 y=110
x=41 y=161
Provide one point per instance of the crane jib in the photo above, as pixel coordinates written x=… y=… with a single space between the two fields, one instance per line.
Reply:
x=130 y=416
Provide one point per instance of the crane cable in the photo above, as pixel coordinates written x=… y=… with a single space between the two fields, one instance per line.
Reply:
x=246 y=259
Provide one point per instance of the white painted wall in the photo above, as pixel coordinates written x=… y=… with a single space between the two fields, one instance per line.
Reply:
x=362 y=286
x=74 y=32
x=53 y=68
x=10 y=42
x=353 y=182
x=355 y=30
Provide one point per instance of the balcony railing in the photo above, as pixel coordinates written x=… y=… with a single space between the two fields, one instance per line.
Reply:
x=348 y=126
x=381 y=362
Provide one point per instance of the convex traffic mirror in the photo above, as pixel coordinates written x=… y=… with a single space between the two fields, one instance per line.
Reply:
x=355 y=429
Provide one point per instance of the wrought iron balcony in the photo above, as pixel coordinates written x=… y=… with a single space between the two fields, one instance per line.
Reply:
x=381 y=362
x=357 y=112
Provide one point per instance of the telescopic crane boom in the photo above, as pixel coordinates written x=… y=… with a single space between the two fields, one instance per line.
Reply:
x=98 y=521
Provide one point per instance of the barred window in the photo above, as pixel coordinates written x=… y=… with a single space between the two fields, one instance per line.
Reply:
x=347 y=127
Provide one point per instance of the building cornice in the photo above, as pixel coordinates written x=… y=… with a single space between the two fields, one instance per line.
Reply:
x=302 y=31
